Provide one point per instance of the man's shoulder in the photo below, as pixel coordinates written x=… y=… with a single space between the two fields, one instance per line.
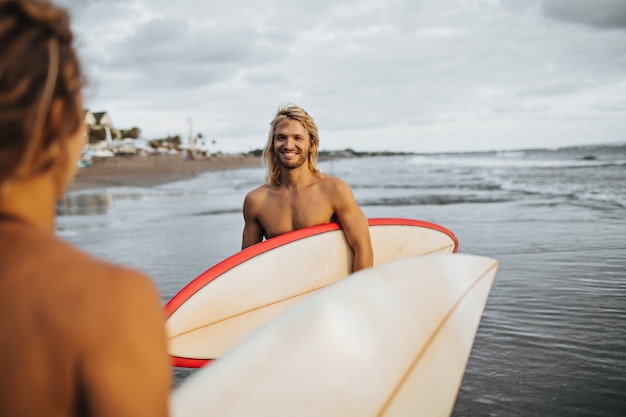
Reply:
x=331 y=179
x=259 y=193
x=255 y=200
x=334 y=184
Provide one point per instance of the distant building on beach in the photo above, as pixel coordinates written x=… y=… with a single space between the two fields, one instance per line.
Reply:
x=104 y=139
x=100 y=128
x=90 y=119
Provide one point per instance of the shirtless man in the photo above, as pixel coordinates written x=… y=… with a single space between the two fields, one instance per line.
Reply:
x=78 y=336
x=296 y=194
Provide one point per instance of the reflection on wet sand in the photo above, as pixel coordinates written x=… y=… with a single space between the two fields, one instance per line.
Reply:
x=84 y=203
x=101 y=201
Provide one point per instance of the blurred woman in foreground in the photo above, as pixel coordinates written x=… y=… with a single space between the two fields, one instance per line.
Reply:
x=79 y=336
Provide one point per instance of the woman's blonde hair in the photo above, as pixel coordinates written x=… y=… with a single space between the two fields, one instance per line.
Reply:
x=38 y=65
x=289 y=111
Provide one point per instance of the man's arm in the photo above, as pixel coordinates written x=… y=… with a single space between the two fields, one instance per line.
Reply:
x=252 y=230
x=354 y=224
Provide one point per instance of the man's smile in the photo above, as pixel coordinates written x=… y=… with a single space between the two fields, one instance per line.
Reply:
x=290 y=154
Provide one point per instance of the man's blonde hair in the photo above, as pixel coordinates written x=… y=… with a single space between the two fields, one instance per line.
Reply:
x=289 y=111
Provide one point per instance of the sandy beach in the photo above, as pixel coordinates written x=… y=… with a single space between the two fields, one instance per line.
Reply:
x=147 y=171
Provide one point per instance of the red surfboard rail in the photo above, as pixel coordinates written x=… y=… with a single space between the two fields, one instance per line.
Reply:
x=246 y=254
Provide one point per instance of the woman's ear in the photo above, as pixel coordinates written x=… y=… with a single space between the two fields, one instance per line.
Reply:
x=52 y=148
x=55 y=117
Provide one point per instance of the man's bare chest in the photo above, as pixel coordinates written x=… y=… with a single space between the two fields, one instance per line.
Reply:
x=285 y=214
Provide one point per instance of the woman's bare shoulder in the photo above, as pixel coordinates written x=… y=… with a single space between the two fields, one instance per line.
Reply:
x=72 y=272
x=77 y=263
x=81 y=296
x=127 y=288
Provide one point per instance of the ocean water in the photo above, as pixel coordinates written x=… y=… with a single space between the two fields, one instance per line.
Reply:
x=552 y=340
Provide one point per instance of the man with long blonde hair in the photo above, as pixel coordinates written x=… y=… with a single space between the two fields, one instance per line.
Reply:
x=296 y=194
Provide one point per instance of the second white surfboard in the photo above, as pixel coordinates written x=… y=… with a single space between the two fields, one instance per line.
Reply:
x=392 y=340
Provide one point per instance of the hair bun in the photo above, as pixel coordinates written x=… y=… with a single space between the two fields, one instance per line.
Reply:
x=50 y=19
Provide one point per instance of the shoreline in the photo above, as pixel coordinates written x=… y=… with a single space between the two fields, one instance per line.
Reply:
x=149 y=171
x=152 y=170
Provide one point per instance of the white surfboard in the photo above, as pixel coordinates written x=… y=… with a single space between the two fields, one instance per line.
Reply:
x=393 y=340
x=236 y=296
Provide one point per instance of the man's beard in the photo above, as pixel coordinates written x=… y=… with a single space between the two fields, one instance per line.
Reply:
x=293 y=164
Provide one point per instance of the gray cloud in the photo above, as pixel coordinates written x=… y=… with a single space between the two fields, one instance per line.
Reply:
x=171 y=40
x=603 y=14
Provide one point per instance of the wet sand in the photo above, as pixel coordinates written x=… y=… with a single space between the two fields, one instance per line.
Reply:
x=147 y=171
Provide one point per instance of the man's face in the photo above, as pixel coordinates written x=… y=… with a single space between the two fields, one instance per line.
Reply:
x=291 y=144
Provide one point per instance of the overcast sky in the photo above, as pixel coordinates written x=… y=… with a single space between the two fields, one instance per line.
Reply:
x=399 y=75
